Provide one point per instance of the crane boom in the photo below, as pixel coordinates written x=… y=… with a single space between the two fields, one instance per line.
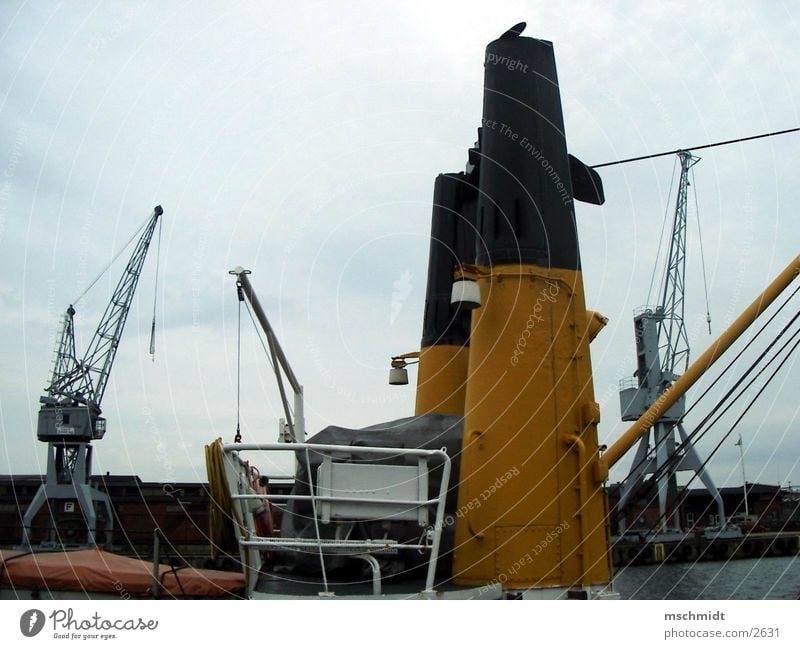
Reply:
x=85 y=381
x=295 y=426
x=672 y=327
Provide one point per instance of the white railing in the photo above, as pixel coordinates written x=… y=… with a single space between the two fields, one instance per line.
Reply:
x=374 y=508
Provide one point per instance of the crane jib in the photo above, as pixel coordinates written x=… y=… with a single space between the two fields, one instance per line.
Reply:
x=71 y=408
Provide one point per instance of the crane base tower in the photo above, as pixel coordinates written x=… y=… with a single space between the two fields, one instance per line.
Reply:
x=69 y=467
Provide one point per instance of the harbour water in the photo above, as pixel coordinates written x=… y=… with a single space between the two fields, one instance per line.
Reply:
x=768 y=578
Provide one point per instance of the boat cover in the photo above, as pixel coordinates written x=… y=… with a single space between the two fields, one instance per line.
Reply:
x=423 y=432
x=97 y=571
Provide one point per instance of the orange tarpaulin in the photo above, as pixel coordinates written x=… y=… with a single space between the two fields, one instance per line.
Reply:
x=103 y=572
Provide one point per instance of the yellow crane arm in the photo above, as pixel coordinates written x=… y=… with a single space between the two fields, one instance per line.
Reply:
x=701 y=365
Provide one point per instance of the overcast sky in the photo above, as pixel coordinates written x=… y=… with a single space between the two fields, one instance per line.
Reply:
x=302 y=140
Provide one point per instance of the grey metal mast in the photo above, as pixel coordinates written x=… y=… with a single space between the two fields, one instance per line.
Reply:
x=70 y=415
x=662 y=349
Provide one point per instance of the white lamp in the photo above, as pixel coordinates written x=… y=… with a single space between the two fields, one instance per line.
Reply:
x=466 y=294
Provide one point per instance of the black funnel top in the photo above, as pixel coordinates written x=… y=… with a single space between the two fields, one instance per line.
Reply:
x=525 y=211
x=452 y=243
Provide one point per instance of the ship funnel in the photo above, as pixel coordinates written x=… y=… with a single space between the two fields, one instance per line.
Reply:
x=442 y=376
x=533 y=511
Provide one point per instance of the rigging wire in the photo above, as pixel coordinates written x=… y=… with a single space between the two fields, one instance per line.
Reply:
x=738 y=383
x=695 y=148
x=742 y=351
x=238 y=437
x=111 y=263
x=273 y=362
x=746 y=408
x=702 y=254
x=661 y=237
x=258 y=334
x=697 y=434
x=155 y=295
